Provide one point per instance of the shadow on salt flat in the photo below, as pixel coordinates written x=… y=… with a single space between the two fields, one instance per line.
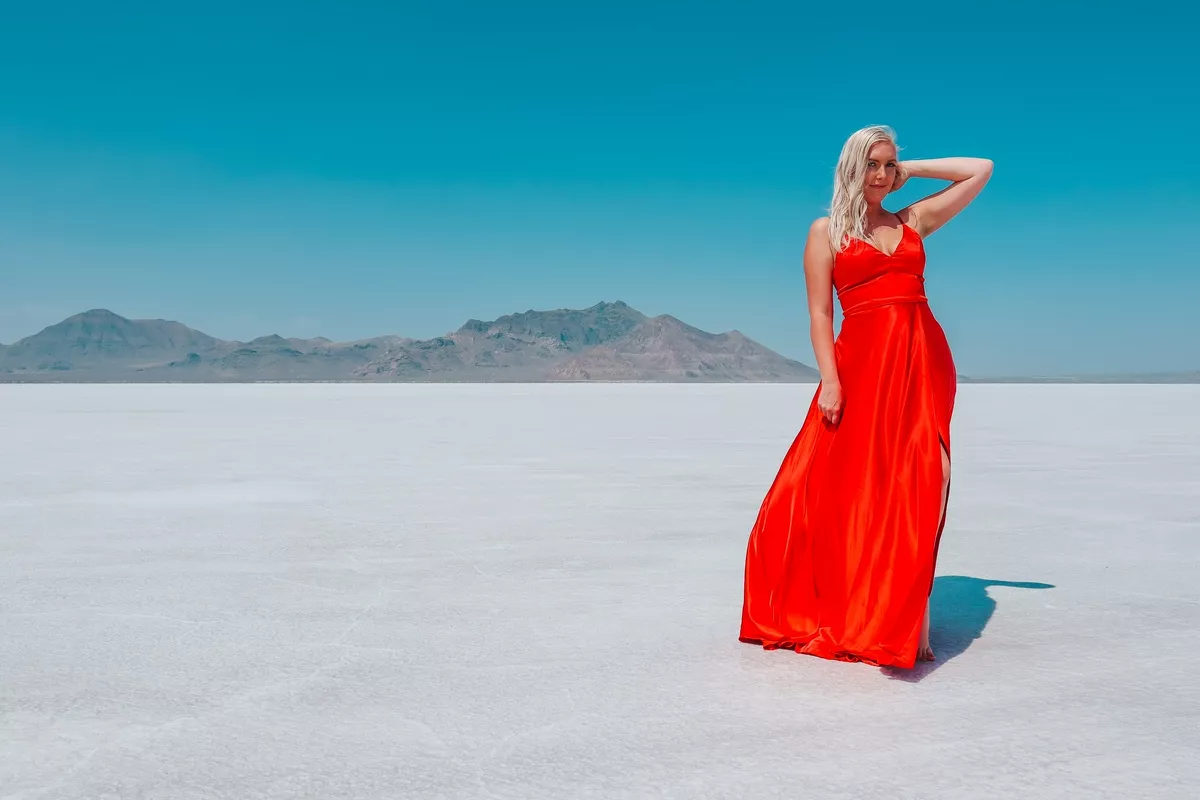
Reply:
x=959 y=609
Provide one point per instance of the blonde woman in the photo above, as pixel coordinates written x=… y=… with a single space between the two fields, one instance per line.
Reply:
x=841 y=558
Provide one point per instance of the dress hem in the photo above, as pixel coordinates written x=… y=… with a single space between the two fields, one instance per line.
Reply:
x=830 y=653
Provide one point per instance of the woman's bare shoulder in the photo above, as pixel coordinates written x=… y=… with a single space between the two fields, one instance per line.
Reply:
x=818 y=246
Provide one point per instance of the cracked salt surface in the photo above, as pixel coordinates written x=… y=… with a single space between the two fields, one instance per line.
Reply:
x=347 y=591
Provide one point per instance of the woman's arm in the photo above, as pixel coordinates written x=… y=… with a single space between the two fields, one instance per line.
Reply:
x=930 y=213
x=818 y=281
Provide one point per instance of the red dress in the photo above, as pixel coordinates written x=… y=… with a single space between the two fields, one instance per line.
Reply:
x=841 y=557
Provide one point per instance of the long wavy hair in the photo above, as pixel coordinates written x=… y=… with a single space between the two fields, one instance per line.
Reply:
x=848 y=211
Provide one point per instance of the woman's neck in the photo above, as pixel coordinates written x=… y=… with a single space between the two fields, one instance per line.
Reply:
x=877 y=213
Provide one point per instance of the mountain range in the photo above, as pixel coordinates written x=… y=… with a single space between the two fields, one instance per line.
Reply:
x=606 y=342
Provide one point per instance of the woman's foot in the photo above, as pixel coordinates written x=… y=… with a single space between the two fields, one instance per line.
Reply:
x=924 y=651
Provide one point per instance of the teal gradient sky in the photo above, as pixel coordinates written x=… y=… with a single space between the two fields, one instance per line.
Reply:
x=355 y=169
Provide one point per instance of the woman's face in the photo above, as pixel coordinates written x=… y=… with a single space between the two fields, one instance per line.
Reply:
x=881 y=171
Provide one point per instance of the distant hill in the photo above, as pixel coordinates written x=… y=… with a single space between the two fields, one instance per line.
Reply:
x=606 y=342
x=665 y=346
x=101 y=340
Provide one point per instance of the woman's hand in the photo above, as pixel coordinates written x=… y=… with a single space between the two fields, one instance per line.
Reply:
x=901 y=176
x=830 y=401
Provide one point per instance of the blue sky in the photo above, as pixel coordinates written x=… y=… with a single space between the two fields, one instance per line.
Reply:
x=358 y=169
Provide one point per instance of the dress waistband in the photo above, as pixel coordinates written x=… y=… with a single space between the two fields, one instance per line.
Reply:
x=887 y=289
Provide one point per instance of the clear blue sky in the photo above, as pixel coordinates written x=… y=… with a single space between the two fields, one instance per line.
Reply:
x=356 y=169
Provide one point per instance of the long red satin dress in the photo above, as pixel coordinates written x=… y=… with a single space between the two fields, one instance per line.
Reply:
x=841 y=557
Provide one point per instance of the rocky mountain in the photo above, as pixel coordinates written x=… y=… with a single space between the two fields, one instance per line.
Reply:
x=99 y=339
x=522 y=346
x=606 y=342
x=666 y=346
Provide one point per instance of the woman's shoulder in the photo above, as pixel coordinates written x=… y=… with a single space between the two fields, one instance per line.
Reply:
x=819 y=229
x=818 y=240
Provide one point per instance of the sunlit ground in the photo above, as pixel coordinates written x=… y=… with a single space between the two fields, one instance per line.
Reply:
x=471 y=591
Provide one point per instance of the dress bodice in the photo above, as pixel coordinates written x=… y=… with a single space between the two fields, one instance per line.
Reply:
x=867 y=278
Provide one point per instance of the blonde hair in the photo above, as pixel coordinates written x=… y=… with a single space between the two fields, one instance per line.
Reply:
x=848 y=211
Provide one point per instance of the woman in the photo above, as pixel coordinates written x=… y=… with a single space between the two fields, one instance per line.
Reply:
x=841 y=557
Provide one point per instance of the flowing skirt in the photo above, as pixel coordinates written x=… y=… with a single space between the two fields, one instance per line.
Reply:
x=841 y=557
